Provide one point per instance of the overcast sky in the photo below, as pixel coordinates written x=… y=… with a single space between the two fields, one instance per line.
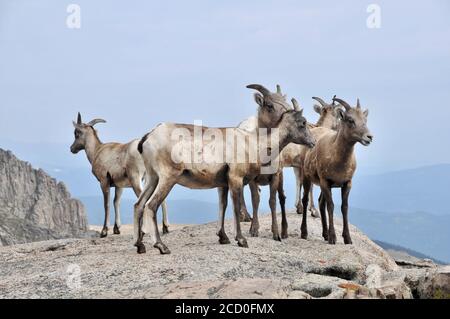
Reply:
x=138 y=63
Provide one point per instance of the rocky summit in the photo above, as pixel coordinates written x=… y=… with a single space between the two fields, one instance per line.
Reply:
x=199 y=267
x=34 y=206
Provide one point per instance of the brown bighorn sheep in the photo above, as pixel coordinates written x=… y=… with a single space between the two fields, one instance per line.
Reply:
x=114 y=165
x=166 y=168
x=332 y=163
x=329 y=119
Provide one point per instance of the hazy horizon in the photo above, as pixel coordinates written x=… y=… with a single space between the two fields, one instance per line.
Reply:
x=138 y=65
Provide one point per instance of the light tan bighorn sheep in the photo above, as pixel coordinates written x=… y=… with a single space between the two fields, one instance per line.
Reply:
x=166 y=168
x=114 y=165
x=332 y=163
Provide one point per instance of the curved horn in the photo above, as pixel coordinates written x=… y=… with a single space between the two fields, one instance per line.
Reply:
x=95 y=121
x=334 y=102
x=357 y=104
x=295 y=104
x=343 y=103
x=318 y=99
x=79 y=118
x=259 y=88
x=279 y=89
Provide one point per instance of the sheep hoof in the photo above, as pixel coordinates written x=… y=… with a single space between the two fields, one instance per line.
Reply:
x=325 y=236
x=165 y=230
x=245 y=217
x=332 y=239
x=104 y=233
x=304 y=235
x=314 y=212
x=347 y=240
x=254 y=231
x=276 y=237
x=223 y=240
x=300 y=209
x=284 y=234
x=242 y=242
x=162 y=248
x=116 y=230
x=141 y=248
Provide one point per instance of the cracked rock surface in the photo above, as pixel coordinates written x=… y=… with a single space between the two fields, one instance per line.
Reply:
x=199 y=267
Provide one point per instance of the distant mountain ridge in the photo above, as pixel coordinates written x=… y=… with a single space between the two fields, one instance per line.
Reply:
x=421 y=189
x=34 y=206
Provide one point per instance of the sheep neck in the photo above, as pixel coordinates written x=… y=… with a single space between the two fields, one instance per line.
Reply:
x=92 y=144
x=343 y=145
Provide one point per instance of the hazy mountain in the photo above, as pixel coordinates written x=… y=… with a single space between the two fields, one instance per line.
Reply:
x=423 y=232
x=396 y=248
x=421 y=189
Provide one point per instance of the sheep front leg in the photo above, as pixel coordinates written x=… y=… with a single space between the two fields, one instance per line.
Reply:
x=223 y=202
x=273 y=206
x=117 y=223
x=254 y=227
x=345 y=192
x=328 y=196
x=245 y=216
x=282 y=199
x=298 y=182
x=105 y=190
x=312 y=207
x=323 y=216
x=305 y=199
x=235 y=185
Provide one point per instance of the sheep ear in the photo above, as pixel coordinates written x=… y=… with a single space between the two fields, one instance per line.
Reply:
x=340 y=113
x=259 y=99
x=366 y=113
x=318 y=108
x=79 y=118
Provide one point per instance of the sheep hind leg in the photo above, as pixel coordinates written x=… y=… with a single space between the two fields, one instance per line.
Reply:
x=162 y=190
x=105 y=190
x=117 y=223
x=165 y=228
x=223 y=202
x=139 y=208
x=235 y=185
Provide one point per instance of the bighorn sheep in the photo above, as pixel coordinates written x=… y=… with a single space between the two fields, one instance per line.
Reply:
x=332 y=163
x=328 y=119
x=114 y=165
x=289 y=157
x=166 y=168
